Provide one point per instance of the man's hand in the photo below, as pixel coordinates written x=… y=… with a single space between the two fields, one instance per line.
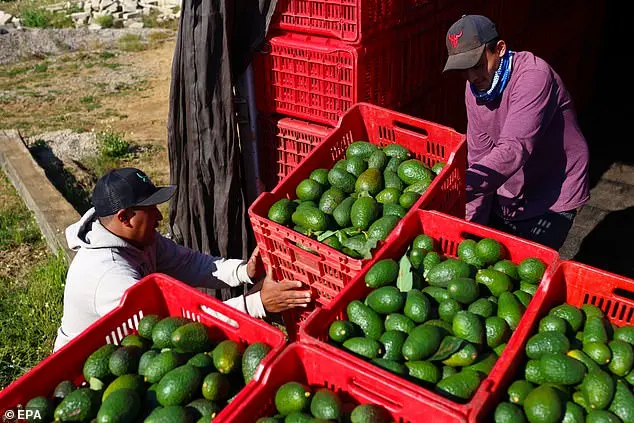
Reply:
x=284 y=295
x=255 y=267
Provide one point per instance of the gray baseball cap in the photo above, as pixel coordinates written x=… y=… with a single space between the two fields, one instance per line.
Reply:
x=466 y=41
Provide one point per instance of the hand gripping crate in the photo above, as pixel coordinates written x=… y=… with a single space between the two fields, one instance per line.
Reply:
x=352 y=21
x=316 y=368
x=329 y=270
x=448 y=232
x=575 y=284
x=318 y=79
x=155 y=294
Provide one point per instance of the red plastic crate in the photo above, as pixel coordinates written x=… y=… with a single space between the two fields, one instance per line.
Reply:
x=328 y=271
x=155 y=294
x=318 y=369
x=575 y=284
x=286 y=142
x=319 y=79
x=448 y=232
x=348 y=20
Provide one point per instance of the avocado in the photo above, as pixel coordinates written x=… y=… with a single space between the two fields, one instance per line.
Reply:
x=438 y=294
x=594 y=331
x=422 y=342
x=179 y=386
x=160 y=365
x=310 y=218
x=124 y=360
x=601 y=416
x=460 y=386
x=367 y=319
x=170 y=414
x=408 y=199
x=382 y=227
x=465 y=356
x=442 y=273
x=413 y=170
x=624 y=333
x=496 y=282
x=162 y=331
x=145 y=360
x=146 y=324
x=448 y=309
x=463 y=290
x=40 y=409
x=418 y=187
x=309 y=190
x=378 y=160
x=370 y=413
x=341 y=214
x=531 y=270
x=482 y=307
x=364 y=211
x=553 y=324
x=382 y=273
x=356 y=166
x=600 y=353
x=388 y=196
x=97 y=365
x=445 y=327
x=325 y=405
x=320 y=175
x=583 y=358
x=574 y=413
x=424 y=370
x=203 y=407
x=397 y=151
x=570 y=314
x=543 y=405
x=508 y=268
x=506 y=412
x=362 y=149
x=216 y=387
x=79 y=405
x=547 y=343
x=430 y=261
x=467 y=253
x=292 y=397
x=469 y=327
x=489 y=251
x=370 y=181
x=342 y=179
x=136 y=341
x=393 y=182
x=128 y=381
x=622 y=358
x=392 y=342
x=561 y=369
x=417 y=307
x=121 y=406
x=510 y=309
x=394 y=210
x=399 y=322
x=448 y=371
x=253 y=355
x=331 y=199
x=342 y=330
x=363 y=346
x=497 y=331
x=386 y=300
x=391 y=366
x=623 y=403
x=484 y=363
x=62 y=389
x=533 y=373
x=438 y=167
x=227 y=356
x=281 y=211
x=519 y=390
x=598 y=389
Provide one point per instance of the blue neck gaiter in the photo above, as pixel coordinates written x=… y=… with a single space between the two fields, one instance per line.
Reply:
x=500 y=79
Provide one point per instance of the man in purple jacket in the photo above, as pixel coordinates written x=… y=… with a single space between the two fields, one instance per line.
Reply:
x=528 y=160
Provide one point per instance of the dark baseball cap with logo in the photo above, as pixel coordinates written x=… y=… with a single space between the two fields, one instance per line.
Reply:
x=127 y=187
x=466 y=40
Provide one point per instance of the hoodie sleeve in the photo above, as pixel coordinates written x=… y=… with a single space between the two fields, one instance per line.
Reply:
x=111 y=288
x=197 y=269
x=254 y=306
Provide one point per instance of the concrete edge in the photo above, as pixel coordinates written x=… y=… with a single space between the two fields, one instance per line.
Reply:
x=52 y=212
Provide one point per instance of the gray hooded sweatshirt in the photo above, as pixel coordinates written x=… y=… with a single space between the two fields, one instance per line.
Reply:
x=106 y=265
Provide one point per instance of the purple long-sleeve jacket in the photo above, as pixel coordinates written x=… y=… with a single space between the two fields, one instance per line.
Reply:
x=527 y=155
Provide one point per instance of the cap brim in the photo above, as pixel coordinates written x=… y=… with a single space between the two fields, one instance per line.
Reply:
x=464 y=61
x=161 y=195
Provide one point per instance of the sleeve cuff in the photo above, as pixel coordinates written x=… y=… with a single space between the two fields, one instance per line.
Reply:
x=243 y=275
x=255 y=306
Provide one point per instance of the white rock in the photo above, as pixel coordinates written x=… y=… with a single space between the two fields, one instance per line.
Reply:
x=131 y=15
x=80 y=16
x=94 y=27
x=88 y=6
x=136 y=25
x=130 y=5
x=114 y=7
x=117 y=15
x=5 y=18
x=95 y=4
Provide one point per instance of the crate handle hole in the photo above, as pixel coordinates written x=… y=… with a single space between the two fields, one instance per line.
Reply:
x=412 y=128
x=218 y=316
x=624 y=293
x=357 y=387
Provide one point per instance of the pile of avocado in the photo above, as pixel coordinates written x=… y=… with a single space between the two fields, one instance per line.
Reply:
x=169 y=372
x=579 y=369
x=439 y=322
x=294 y=405
x=360 y=200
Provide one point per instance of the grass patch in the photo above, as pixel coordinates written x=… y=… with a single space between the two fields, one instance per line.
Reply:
x=113 y=145
x=106 y=21
x=91 y=102
x=158 y=36
x=17 y=225
x=105 y=55
x=41 y=67
x=131 y=42
x=30 y=313
x=38 y=17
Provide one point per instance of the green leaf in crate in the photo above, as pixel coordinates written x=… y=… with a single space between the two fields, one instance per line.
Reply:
x=405 y=280
x=448 y=346
x=351 y=231
x=325 y=235
x=366 y=250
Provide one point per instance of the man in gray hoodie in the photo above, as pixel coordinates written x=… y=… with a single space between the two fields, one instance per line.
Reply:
x=117 y=245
